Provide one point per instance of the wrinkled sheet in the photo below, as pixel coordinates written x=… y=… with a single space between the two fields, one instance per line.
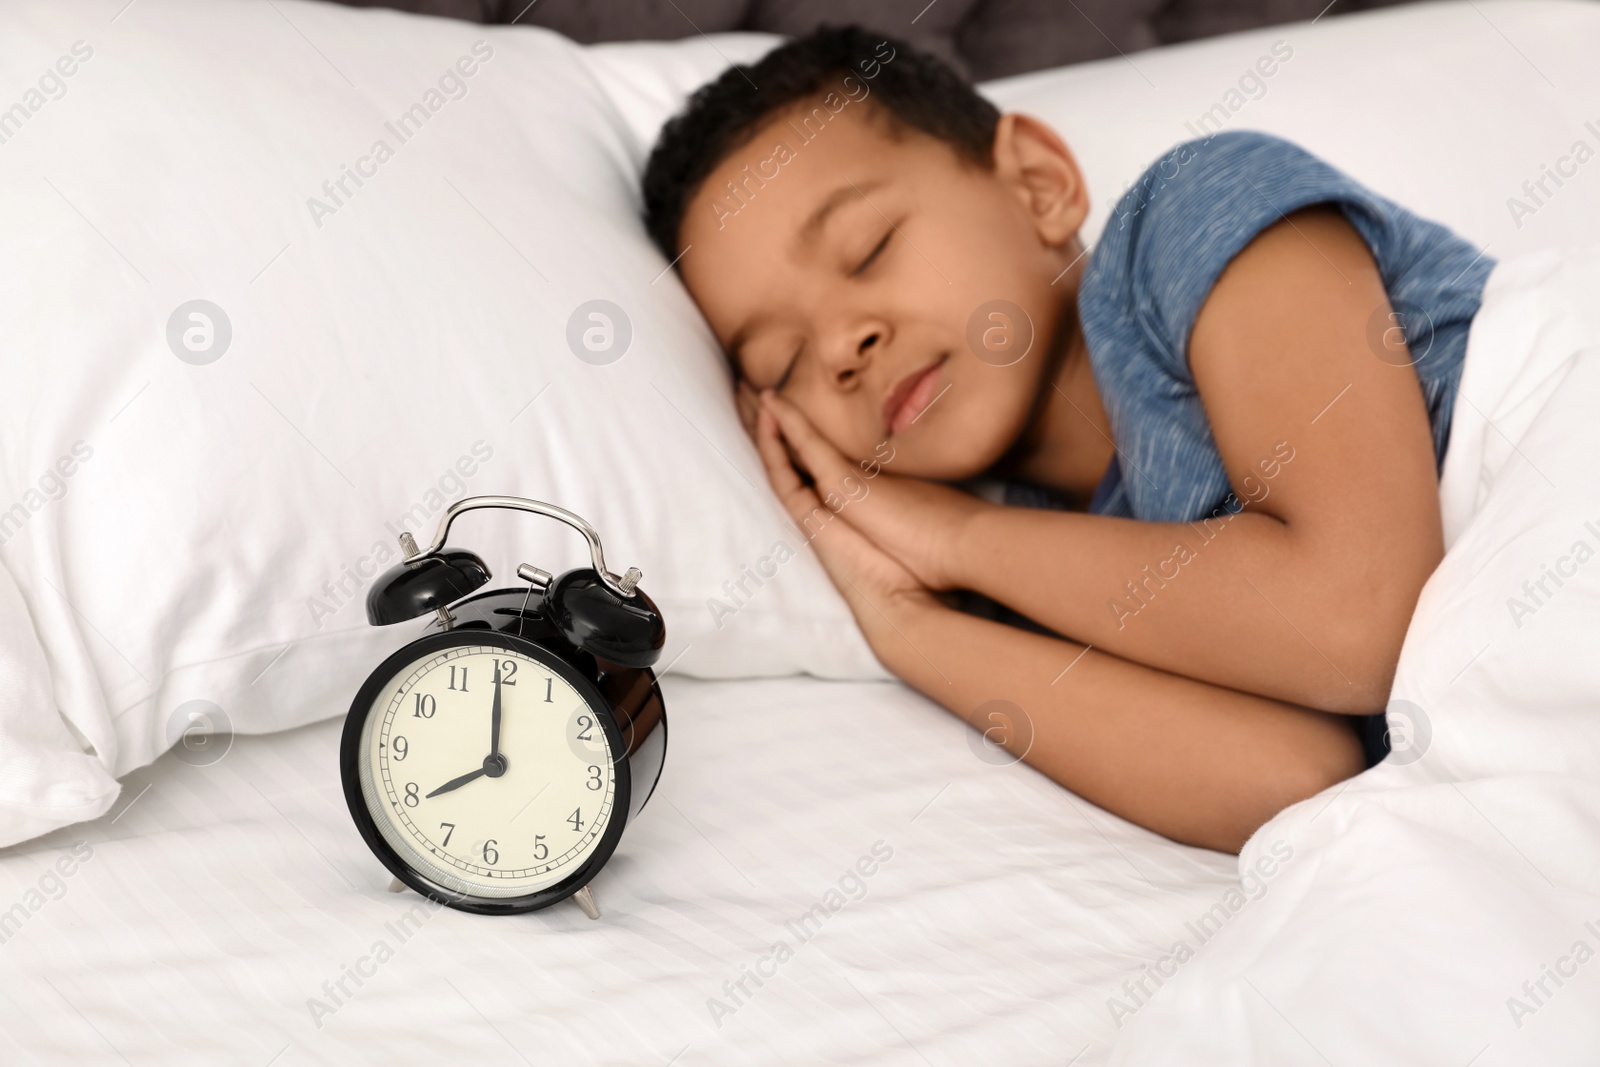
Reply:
x=1445 y=906
x=217 y=900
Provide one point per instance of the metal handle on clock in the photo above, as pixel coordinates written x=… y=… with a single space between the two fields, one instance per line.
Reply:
x=622 y=585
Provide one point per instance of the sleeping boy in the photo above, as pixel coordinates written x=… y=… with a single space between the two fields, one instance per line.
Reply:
x=1220 y=428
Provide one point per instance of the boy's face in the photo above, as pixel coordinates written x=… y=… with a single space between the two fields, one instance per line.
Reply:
x=849 y=279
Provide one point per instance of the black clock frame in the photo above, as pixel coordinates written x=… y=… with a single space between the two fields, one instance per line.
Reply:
x=477 y=617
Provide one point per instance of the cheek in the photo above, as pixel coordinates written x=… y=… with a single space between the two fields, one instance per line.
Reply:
x=975 y=423
x=842 y=420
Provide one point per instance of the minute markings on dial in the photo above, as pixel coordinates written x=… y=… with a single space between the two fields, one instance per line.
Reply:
x=433 y=747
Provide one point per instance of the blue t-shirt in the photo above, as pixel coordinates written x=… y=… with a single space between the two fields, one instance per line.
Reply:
x=1167 y=242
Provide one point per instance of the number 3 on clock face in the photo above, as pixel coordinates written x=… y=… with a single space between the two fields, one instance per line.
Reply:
x=489 y=773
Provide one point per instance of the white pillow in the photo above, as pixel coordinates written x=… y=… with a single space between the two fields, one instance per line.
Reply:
x=648 y=81
x=391 y=345
x=1426 y=103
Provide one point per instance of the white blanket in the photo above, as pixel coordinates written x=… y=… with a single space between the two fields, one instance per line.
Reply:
x=1444 y=907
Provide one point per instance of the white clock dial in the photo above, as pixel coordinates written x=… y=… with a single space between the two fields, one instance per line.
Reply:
x=477 y=822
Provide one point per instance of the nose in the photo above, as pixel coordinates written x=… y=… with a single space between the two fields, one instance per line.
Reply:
x=852 y=351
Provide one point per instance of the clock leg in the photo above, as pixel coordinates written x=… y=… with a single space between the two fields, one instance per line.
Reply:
x=585 y=899
x=396 y=886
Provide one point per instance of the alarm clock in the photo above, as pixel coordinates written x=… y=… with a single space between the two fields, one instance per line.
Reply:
x=492 y=763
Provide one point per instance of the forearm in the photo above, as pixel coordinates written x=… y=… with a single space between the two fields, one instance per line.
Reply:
x=1195 y=762
x=1243 y=601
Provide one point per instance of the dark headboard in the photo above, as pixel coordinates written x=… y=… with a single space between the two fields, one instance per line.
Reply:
x=983 y=38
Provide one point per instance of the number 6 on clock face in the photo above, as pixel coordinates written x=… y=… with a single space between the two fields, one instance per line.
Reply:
x=490 y=773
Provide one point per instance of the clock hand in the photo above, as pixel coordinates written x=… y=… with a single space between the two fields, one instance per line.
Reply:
x=457 y=783
x=494 y=719
x=494 y=764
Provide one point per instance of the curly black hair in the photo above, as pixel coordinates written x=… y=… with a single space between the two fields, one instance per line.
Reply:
x=914 y=89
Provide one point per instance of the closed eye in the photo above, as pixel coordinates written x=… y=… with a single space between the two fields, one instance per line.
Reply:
x=794 y=361
x=865 y=263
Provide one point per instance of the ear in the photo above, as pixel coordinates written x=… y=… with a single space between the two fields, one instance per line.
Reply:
x=1033 y=160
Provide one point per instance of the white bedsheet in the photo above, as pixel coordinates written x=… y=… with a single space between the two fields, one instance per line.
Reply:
x=218 y=900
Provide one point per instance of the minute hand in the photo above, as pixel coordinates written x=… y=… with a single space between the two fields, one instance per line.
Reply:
x=494 y=717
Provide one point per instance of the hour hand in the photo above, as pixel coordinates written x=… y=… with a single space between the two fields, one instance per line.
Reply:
x=457 y=783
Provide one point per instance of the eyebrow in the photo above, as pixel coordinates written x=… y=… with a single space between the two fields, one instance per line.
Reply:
x=812 y=227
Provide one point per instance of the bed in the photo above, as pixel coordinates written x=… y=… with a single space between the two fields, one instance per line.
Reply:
x=217 y=905
x=219 y=899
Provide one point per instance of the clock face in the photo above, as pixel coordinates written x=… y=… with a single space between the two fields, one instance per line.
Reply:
x=479 y=818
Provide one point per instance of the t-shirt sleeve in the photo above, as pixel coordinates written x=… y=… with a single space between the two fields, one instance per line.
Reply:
x=1201 y=204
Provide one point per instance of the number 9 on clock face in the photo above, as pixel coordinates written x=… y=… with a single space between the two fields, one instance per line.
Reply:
x=490 y=775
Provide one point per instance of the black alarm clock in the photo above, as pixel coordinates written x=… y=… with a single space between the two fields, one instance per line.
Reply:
x=493 y=763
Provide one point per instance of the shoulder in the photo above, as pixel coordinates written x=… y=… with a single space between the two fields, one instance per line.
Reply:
x=1191 y=212
x=1226 y=182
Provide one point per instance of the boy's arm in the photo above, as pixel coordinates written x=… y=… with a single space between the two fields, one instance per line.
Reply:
x=1195 y=762
x=1305 y=596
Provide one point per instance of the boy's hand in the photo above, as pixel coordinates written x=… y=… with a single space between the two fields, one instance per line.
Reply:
x=917 y=522
x=876 y=587
x=749 y=404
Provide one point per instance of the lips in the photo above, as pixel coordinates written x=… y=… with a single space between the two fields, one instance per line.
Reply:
x=910 y=397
